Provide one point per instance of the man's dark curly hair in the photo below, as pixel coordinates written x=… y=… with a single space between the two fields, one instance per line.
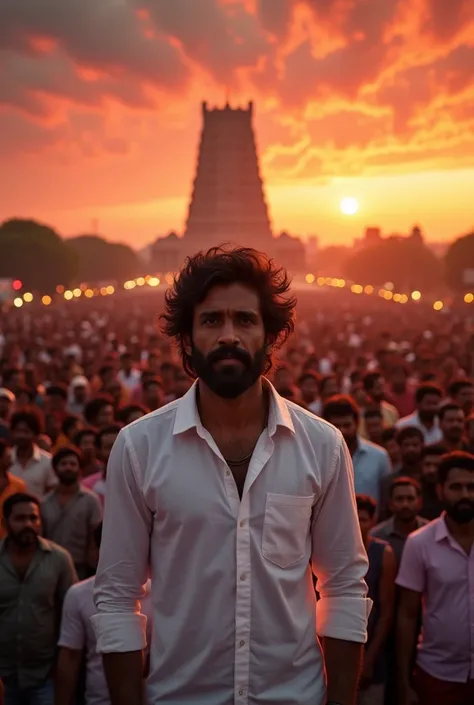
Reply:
x=224 y=266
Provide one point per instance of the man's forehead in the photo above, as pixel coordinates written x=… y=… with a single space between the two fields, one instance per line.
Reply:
x=25 y=508
x=235 y=296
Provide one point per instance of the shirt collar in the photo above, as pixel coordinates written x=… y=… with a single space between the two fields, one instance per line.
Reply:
x=44 y=545
x=187 y=415
x=441 y=531
x=36 y=454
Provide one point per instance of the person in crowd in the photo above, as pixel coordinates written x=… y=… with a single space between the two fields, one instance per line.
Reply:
x=152 y=396
x=428 y=398
x=56 y=401
x=7 y=403
x=86 y=441
x=371 y=462
x=201 y=490
x=411 y=442
x=374 y=425
x=388 y=440
x=77 y=635
x=128 y=375
x=452 y=422
x=405 y=504
x=309 y=386
x=435 y=575
x=470 y=432
x=328 y=387
x=400 y=390
x=130 y=413
x=9 y=484
x=13 y=378
x=78 y=395
x=381 y=583
x=431 y=506
x=99 y=411
x=374 y=387
x=461 y=392
x=35 y=575
x=105 y=441
x=29 y=462
x=70 y=427
x=71 y=512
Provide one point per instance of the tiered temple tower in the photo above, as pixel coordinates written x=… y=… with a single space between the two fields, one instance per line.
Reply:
x=227 y=201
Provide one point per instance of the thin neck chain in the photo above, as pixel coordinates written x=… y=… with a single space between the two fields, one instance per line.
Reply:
x=241 y=461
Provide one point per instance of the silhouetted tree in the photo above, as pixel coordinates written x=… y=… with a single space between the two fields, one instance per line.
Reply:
x=99 y=259
x=458 y=260
x=406 y=262
x=35 y=254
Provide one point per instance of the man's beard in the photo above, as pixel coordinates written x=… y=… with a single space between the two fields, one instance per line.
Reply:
x=24 y=538
x=461 y=512
x=427 y=416
x=411 y=459
x=232 y=380
x=68 y=478
x=455 y=435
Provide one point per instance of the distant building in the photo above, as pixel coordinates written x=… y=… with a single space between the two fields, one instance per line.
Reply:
x=291 y=252
x=227 y=201
x=166 y=254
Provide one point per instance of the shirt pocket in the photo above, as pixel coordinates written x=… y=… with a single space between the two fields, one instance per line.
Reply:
x=285 y=528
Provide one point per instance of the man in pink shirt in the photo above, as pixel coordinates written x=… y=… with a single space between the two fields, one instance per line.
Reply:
x=105 y=440
x=437 y=575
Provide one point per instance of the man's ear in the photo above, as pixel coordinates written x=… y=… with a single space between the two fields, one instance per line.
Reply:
x=187 y=344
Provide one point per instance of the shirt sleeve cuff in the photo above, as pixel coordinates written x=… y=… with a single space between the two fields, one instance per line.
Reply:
x=119 y=633
x=343 y=618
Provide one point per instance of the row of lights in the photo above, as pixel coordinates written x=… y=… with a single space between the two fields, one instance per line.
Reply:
x=385 y=293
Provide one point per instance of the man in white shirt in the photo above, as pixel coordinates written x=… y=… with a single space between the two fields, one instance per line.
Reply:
x=29 y=462
x=229 y=496
x=428 y=398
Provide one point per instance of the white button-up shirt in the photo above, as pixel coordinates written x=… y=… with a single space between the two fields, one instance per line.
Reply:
x=234 y=608
x=431 y=435
x=38 y=473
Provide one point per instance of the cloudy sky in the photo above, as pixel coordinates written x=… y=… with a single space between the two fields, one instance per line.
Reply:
x=374 y=99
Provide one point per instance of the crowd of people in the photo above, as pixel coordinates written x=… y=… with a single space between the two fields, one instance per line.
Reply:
x=397 y=381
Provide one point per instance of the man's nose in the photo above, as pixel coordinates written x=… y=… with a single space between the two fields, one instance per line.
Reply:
x=228 y=334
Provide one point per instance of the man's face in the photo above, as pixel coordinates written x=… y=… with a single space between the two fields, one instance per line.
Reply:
x=87 y=447
x=283 y=378
x=378 y=390
x=411 y=450
x=24 y=524
x=457 y=495
x=429 y=468
x=374 y=427
x=56 y=402
x=106 y=416
x=22 y=435
x=126 y=363
x=405 y=503
x=80 y=394
x=5 y=461
x=428 y=407
x=465 y=399
x=309 y=389
x=393 y=449
x=153 y=396
x=228 y=346
x=68 y=470
x=330 y=389
x=347 y=425
x=366 y=522
x=452 y=425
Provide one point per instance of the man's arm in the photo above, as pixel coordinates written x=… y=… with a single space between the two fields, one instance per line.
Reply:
x=72 y=640
x=411 y=580
x=340 y=561
x=384 y=623
x=121 y=576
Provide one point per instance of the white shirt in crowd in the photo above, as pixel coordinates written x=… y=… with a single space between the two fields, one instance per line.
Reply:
x=78 y=633
x=131 y=381
x=431 y=435
x=234 y=610
x=37 y=474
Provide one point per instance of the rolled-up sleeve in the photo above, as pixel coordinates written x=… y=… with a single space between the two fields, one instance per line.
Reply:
x=339 y=558
x=123 y=564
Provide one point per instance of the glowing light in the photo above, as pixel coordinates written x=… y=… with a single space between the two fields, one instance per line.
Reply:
x=46 y=300
x=129 y=285
x=153 y=281
x=18 y=302
x=438 y=305
x=341 y=283
x=320 y=281
x=140 y=281
x=169 y=279
x=397 y=297
x=349 y=206
x=310 y=278
x=389 y=286
x=103 y=291
x=89 y=293
x=17 y=285
x=28 y=297
x=388 y=295
x=357 y=289
x=415 y=295
x=110 y=290
x=83 y=287
x=68 y=295
x=469 y=298
x=76 y=292
x=368 y=289
x=403 y=299
x=60 y=289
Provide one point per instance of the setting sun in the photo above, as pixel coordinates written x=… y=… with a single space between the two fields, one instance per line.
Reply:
x=349 y=206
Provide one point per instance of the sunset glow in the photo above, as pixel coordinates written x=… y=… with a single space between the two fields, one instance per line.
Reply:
x=100 y=131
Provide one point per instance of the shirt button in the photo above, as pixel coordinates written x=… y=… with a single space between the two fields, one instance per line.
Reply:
x=241 y=692
x=227 y=472
x=241 y=642
x=242 y=523
x=243 y=576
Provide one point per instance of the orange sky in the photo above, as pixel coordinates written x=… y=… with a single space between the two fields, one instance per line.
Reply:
x=100 y=110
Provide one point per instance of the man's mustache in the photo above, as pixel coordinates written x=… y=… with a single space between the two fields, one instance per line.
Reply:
x=226 y=352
